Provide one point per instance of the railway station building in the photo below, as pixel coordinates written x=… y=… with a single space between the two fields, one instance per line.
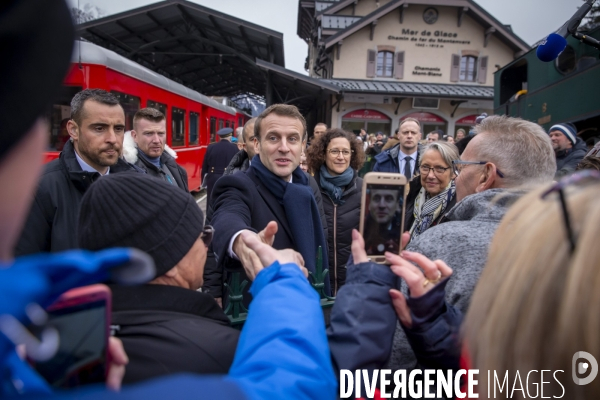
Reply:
x=433 y=60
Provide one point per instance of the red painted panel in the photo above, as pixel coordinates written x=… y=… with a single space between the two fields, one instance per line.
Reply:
x=468 y=120
x=424 y=117
x=363 y=114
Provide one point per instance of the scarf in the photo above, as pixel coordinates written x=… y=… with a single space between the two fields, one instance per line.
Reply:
x=428 y=210
x=301 y=211
x=334 y=184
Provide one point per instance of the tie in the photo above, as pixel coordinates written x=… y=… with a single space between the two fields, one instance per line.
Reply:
x=407 y=171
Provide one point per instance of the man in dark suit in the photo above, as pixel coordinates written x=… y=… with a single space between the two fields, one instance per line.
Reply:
x=272 y=199
x=217 y=158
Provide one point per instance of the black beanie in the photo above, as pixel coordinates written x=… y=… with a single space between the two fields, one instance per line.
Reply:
x=36 y=41
x=130 y=209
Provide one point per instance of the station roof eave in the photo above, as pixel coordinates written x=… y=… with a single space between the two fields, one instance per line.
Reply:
x=291 y=87
x=203 y=49
x=414 y=89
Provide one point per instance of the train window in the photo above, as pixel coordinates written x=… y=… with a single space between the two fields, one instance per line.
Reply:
x=130 y=104
x=221 y=124
x=193 y=139
x=566 y=61
x=240 y=122
x=178 y=125
x=158 y=106
x=59 y=115
x=213 y=129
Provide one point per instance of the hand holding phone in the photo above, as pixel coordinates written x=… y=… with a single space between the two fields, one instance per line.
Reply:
x=382 y=213
x=82 y=318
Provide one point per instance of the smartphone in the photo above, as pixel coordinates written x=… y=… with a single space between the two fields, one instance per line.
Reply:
x=82 y=318
x=382 y=213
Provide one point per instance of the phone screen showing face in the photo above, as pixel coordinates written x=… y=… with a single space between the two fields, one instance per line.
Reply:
x=383 y=218
x=81 y=356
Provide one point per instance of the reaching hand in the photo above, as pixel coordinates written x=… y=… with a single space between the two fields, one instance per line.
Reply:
x=250 y=261
x=268 y=255
x=118 y=361
x=419 y=282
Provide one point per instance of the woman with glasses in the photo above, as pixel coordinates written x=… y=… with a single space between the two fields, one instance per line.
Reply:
x=432 y=194
x=334 y=158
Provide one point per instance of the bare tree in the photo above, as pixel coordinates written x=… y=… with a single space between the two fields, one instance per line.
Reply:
x=86 y=13
x=592 y=20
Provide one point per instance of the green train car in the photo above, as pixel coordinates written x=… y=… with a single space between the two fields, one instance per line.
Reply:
x=566 y=90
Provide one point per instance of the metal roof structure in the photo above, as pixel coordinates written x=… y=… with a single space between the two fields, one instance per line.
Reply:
x=90 y=53
x=447 y=91
x=203 y=49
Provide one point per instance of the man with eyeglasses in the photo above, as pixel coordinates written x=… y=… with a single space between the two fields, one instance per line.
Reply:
x=402 y=158
x=166 y=326
x=505 y=158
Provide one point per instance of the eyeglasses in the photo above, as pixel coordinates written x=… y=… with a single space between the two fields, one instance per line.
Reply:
x=437 y=170
x=460 y=164
x=335 y=152
x=207 y=234
x=576 y=178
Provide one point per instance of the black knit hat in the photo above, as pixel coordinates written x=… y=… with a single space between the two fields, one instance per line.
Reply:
x=36 y=41
x=131 y=209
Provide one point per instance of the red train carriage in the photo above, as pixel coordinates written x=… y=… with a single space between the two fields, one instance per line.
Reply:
x=192 y=118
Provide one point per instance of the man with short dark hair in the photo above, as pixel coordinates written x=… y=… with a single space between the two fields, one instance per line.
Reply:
x=217 y=157
x=272 y=199
x=434 y=136
x=146 y=147
x=404 y=157
x=96 y=128
x=320 y=129
x=568 y=147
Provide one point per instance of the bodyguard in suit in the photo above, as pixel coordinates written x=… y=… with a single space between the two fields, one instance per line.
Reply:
x=273 y=198
x=217 y=158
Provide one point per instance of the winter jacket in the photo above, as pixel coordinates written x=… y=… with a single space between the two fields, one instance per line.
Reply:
x=168 y=157
x=363 y=322
x=462 y=242
x=169 y=329
x=282 y=351
x=567 y=160
x=409 y=219
x=239 y=162
x=52 y=221
x=341 y=219
x=387 y=161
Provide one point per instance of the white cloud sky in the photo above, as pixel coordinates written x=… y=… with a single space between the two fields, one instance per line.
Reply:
x=530 y=19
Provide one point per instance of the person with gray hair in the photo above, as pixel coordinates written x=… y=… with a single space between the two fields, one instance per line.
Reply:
x=434 y=193
x=507 y=157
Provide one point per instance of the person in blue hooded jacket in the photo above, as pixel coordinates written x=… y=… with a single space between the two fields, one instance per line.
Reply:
x=282 y=352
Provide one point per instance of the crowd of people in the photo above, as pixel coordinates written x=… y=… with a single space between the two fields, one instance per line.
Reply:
x=497 y=272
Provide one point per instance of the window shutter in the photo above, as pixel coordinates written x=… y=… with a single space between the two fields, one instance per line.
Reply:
x=482 y=73
x=371 y=60
x=455 y=68
x=399 y=67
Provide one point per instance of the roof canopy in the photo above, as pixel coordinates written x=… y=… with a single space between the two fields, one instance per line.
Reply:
x=203 y=49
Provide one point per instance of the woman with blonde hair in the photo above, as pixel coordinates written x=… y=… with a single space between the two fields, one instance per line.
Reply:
x=534 y=307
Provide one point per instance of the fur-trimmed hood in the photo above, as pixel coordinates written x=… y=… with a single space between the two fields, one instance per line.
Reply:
x=130 y=150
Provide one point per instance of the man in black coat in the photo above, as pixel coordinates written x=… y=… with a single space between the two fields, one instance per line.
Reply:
x=217 y=157
x=96 y=127
x=166 y=326
x=147 y=148
x=274 y=188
